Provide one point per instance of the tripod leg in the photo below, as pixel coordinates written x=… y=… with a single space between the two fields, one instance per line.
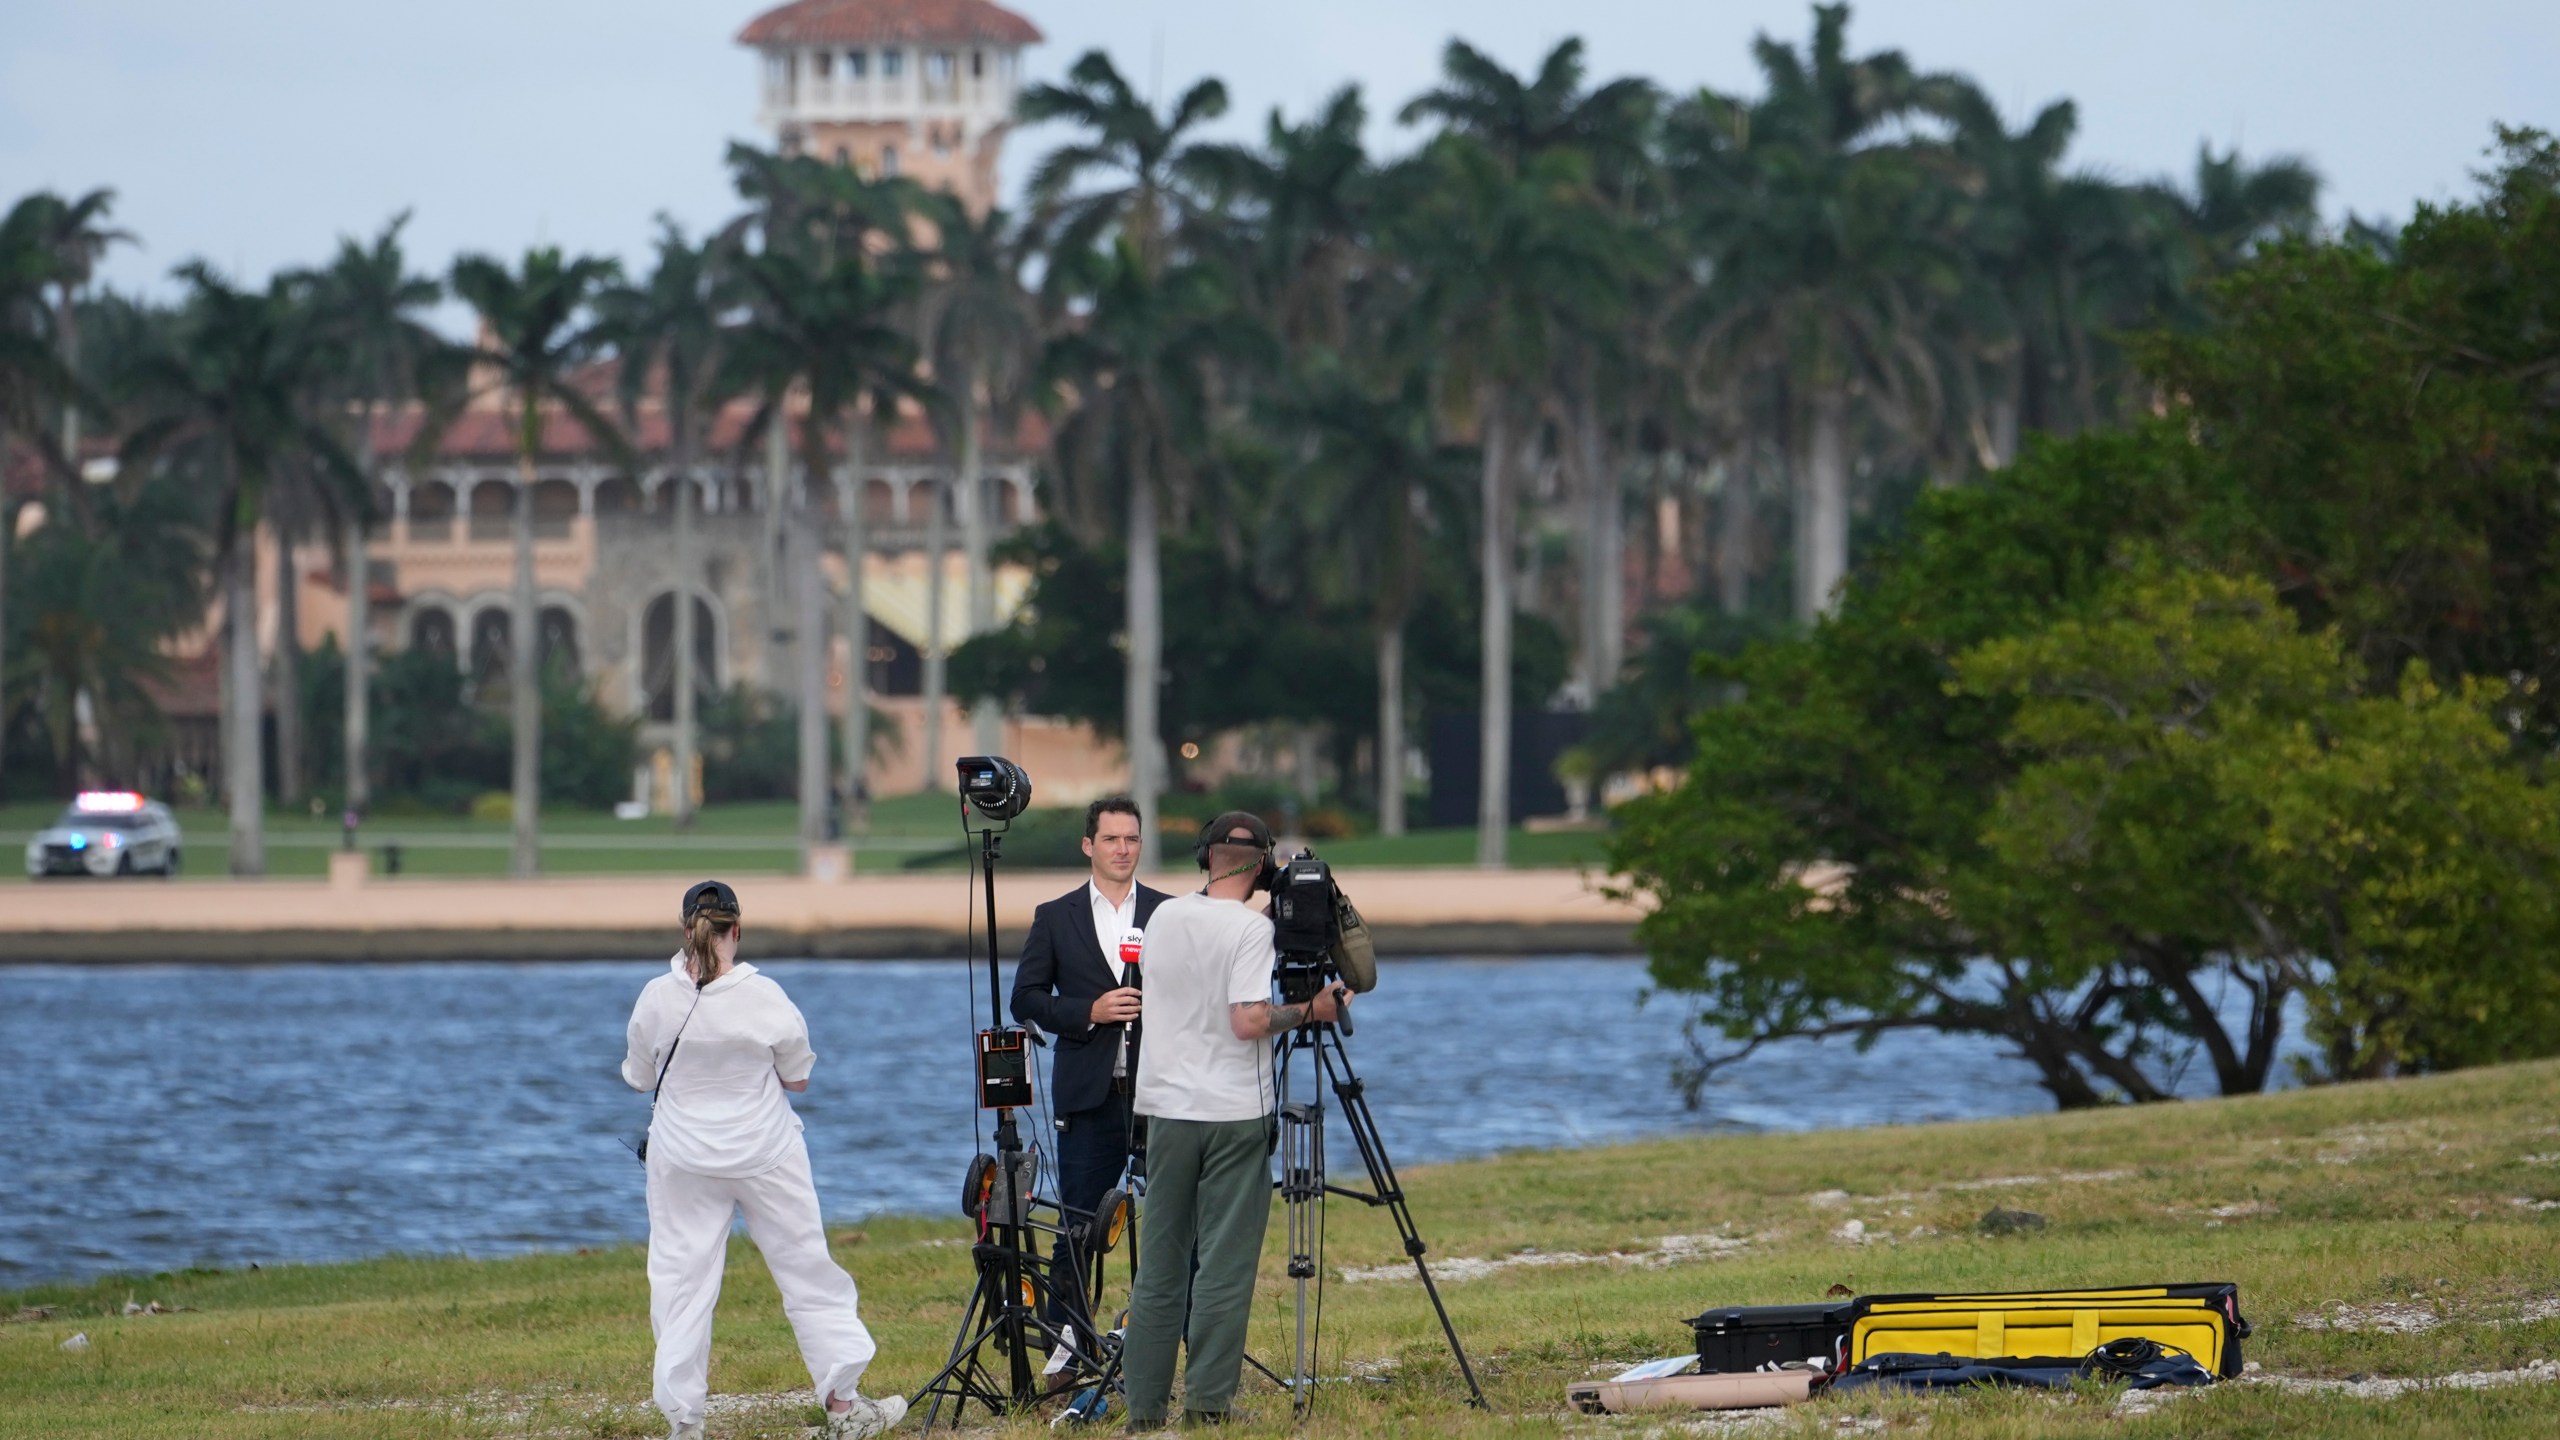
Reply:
x=1352 y=1092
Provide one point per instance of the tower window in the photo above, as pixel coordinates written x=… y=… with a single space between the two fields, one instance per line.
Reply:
x=888 y=162
x=893 y=63
x=937 y=67
x=844 y=157
x=977 y=64
x=857 y=63
x=822 y=63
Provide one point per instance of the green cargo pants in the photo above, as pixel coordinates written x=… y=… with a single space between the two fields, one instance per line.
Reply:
x=1209 y=1197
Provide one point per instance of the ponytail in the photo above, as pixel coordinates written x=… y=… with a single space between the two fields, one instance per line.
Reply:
x=701 y=957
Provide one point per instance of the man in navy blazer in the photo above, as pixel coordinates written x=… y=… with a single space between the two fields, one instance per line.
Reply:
x=1078 y=980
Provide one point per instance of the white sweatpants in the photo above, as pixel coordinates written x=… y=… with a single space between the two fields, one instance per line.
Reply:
x=689 y=1244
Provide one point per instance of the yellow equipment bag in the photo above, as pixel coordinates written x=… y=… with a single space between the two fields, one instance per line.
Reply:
x=2203 y=1320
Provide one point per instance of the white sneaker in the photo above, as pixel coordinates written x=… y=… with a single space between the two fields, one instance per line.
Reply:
x=686 y=1432
x=866 y=1417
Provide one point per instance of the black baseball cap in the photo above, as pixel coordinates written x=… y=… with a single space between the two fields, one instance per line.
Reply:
x=710 y=893
x=1221 y=831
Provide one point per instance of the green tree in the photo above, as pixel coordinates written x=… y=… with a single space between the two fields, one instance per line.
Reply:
x=675 y=328
x=372 y=308
x=230 y=395
x=539 y=332
x=1111 y=201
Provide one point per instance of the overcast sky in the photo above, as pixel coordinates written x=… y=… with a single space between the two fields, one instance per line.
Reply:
x=253 y=134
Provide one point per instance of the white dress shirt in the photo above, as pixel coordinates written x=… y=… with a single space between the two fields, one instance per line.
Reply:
x=1110 y=923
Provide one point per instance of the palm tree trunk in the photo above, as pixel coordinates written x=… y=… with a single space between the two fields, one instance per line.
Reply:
x=809 y=652
x=1604 y=582
x=680 y=799
x=1391 y=727
x=288 y=663
x=1733 y=536
x=936 y=542
x=857 y=631
x=1142 y=728
x=986 y=721
x=1822 y=507
x=778 y=502
x=359 y=707
x=524 y=685
x=242 y=770
x=1493 y=774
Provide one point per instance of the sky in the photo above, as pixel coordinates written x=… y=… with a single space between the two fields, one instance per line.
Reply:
x=255 y=134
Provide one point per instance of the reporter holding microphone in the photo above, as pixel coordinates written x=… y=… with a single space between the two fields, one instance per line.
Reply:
x=719 y=1043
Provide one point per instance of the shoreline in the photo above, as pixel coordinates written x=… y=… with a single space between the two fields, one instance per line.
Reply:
x=889 y=917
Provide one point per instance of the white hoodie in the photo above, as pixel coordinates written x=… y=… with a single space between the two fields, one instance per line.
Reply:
x=722 y=1111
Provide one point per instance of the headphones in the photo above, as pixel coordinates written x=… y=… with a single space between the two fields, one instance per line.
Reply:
x=1208 y=837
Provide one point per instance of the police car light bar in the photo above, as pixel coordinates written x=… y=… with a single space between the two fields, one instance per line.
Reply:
x=104 y=802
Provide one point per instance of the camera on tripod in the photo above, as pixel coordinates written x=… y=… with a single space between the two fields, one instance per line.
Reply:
x=1316 y=931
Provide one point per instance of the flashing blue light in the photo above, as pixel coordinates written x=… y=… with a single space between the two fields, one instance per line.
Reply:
x=79 y=842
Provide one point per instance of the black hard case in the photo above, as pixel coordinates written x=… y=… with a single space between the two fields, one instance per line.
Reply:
x=1737 y=1338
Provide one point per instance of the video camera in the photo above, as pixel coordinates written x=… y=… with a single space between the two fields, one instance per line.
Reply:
x=1320 y=937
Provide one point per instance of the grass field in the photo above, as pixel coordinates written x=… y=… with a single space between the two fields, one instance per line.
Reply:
x=2407 y=1229
x=747 y=838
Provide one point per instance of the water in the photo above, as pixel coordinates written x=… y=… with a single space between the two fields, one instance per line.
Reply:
x=215 y=1115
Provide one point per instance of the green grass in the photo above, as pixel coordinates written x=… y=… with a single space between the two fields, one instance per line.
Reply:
x=2401 y=1193
x=758 y=837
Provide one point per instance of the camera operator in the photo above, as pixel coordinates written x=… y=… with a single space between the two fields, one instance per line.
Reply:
x=1206 y=1090
x=1078 y=979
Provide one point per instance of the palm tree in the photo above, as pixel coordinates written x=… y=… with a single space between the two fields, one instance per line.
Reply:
x=675 y=326
x=371 y=307
x=983 y=336
x=37 y=382
x=231 y=394
x=75 y=232
x=1386 y=491
x=1805 y=215
x=1503 y=261
x=1293 y=219
x=537 y=335
x=1139 y=159
x=829 y=327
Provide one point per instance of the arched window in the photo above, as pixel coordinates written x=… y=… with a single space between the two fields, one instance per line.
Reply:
x=559 y=652
x=492 y=509
x=880 y=503
x=431 y=511
x=555 y=509
x=431 y=630
x=617 y=496
x=658 y=656
x=489 y=649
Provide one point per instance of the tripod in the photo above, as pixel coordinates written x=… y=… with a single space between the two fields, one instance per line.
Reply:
x=1004 y=1309
x=1303 y=1185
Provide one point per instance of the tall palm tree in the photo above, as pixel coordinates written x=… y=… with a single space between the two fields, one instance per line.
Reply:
x=372 y=308
x=1388 y=492
x=1112 y=200
x=830 y=327
x=984 y=338
x=37 y=382
x=538 y=333
x=76 y=232
x=1504 y=260
x=232 y=393
x=1804 y=206
x=675 y=327
x=1292 y=219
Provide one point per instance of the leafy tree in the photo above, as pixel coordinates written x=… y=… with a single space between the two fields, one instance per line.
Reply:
x=540 y=333
x=229 y=395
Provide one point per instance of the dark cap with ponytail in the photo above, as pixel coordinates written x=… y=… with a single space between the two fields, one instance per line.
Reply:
x=710 y=911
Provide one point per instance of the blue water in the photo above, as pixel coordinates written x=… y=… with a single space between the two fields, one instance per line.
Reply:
x=181 y=1115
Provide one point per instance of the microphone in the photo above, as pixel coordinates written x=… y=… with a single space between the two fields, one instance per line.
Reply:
x=1130 y=945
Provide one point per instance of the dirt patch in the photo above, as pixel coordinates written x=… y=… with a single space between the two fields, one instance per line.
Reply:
x=1669 y=1250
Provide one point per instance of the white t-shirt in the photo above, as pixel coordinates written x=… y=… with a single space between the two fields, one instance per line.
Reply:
x=1201 y=956
x=722 y=1111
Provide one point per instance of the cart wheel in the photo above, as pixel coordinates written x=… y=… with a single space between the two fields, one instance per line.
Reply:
x=978 y=1187
x=1110 y=1221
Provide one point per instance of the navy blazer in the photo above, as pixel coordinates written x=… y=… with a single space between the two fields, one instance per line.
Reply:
x=1061 y=973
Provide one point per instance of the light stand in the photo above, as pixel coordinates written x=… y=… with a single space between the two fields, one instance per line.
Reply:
x=1004 y=1308
x=1303 y=1185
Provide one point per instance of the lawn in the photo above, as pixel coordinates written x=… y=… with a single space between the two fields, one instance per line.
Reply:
x=2406 y=1229
x=759 y=837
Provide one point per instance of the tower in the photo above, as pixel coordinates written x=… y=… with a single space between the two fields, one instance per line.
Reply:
x=920 y=88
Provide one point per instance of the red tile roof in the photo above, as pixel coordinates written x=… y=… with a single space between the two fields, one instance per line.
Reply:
x=866 y=22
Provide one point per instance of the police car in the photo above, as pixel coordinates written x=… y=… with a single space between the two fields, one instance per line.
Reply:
x=107 y=832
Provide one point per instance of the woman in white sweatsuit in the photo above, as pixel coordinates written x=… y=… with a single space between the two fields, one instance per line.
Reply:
x=722 y=1139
